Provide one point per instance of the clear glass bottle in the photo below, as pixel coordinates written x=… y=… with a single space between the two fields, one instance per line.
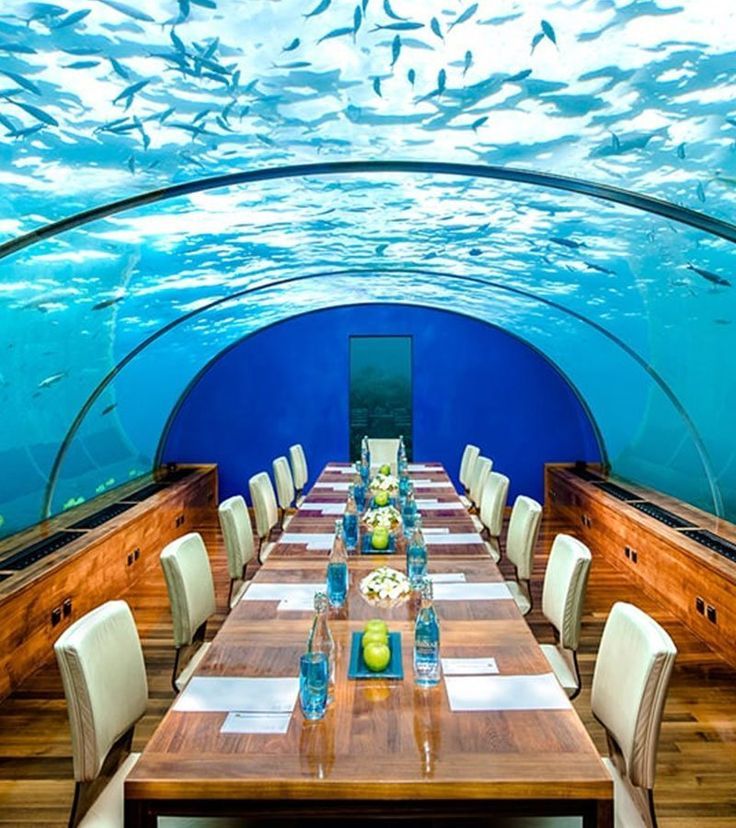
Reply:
x=416 y=556
x=402 y=464
x=337 y=568
x=350 y=520
x=427 y=641
x=365 y=452
x=320 y=638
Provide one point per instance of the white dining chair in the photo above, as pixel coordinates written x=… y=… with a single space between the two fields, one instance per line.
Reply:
x=237 y=533
x=630 y=684
x=521 y=539
x=188 y=576
x=470 y=454
x=266 y=512
x=563 y=596
x=285 y=491
x=104 y=677
x=492 y=506
x=482 y=468
x=383 y=452
x=470 y=475
x=299 y=471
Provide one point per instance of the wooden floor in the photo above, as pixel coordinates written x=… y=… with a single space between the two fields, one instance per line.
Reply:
x=696 y=773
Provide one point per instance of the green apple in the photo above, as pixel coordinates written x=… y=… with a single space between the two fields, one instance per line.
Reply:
x=385 y=469
x=373 y=637
x=380 y=538
x=376 y=624
x=377 y=657
x=381 y=498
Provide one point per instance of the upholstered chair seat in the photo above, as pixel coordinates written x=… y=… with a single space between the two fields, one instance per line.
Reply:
x=285 y=492
x=492 y=505
x=563 y=596
x=237 y=532
x=470 y=454
x=521 y=539
x=266 y=512
x=383 y=452
x=191 y=589
x=481 y=470
x=299 y=471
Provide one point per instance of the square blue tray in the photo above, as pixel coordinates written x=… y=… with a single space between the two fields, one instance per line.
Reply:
x=357 y=668
x=367 y=549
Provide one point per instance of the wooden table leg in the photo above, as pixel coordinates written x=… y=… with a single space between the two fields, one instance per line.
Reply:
x=600 y=815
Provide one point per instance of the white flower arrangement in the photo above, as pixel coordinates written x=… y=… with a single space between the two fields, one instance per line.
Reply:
x=384 y=483
x=386 y=517
x=385 y=584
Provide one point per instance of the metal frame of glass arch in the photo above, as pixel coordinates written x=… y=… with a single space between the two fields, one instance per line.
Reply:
x=701 y=221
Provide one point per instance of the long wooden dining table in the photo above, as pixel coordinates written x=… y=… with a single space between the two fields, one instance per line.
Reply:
x=385 y=748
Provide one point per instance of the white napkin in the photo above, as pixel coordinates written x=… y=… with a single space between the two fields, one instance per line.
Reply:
x=542 y=692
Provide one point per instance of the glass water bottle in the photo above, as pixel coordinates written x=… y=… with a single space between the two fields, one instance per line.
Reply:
x=320 y=639
x=427 y=641
x=337 y=569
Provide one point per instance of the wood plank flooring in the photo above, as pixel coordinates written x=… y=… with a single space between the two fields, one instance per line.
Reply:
x=696 y=775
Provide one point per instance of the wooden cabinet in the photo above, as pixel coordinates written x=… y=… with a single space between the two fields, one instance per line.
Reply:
x=696 y=584
x=38 y=603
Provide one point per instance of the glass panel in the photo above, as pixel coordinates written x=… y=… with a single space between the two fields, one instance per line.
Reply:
x=638 y=311
x=380 y=390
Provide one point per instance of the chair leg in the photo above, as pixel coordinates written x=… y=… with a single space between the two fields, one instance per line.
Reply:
x=652 y=812
x=577 y=675
x=230 y=592
x=176 y=669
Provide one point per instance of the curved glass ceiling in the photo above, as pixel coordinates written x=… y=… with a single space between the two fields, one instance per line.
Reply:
x=103 y=326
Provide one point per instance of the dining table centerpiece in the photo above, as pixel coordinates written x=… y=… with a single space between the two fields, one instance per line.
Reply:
x=384 y=482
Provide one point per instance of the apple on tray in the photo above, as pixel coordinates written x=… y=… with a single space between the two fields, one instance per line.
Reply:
x=380 y=538
x=385 y=469
x=376 y=648
x=381 y=498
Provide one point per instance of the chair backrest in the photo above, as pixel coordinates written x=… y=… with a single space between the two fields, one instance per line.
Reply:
x=284 y=482
x=298 y=466
x=482 y=469
x=632 y=674
x=470 y=455
x=186 y=567
x=104 y=676
x=563 y=593
x=493 y=502
x=383 y=451
x=238 y=534
x=521 y=537
x=264 y=503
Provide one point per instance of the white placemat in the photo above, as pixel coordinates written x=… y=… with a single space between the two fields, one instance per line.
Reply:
x=541 y=692
x=334 y=487
x=454 y=539
x=256 y=723
x=261 y=591
x=314 y=540
x=219 y=694
x=471 y=592
x=435 y=530
x=447 y=577
x=432 y=484
x=435 y=505
x=325 y=508
x=340 y=469
x=469 y=666
x=424 y=467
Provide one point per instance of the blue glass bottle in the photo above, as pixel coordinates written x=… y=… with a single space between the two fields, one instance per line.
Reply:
x=404 y=483
x=427 y=641
x=337 y=569
x=416 y=556
x=350 y=520
x=402 y=464
x=365 y=455
x=409 y=513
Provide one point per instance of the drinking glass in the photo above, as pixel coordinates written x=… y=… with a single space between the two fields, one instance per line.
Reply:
x=359 y=492
x=337 y=583
x=313 y=678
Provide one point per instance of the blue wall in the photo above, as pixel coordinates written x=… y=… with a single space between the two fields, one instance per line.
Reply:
x=472 y=383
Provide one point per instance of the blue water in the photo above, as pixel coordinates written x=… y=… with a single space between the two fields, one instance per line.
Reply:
x=337 y=583
x=103 y=327
x=350 y=530
x=416 y=563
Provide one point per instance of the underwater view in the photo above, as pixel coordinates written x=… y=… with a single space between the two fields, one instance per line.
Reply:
x=175 y=176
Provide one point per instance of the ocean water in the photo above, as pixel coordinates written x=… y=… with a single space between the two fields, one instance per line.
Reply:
x=104 y=326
